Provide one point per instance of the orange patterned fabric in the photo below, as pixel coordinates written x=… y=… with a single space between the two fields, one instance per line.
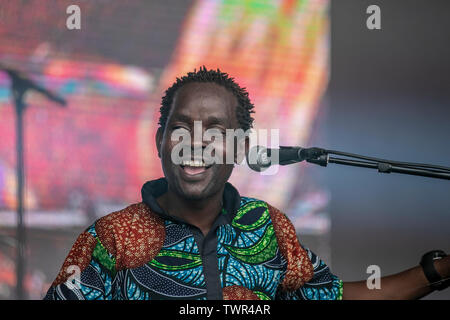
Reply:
x=238 y=293
x=79 y=255
x=299 y=268
x=133 y=235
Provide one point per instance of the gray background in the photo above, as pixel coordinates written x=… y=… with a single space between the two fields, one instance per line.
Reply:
x=388 y=97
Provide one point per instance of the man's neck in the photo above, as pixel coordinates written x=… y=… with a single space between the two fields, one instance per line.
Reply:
x=199 y=213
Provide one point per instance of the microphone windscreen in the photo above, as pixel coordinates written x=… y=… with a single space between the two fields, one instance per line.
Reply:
x=257 y=158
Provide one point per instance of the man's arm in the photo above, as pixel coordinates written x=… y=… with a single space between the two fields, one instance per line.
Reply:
x=87 y=272
x=409 y=284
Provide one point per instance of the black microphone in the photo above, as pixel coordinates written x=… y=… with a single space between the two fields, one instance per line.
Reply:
x=260 y=158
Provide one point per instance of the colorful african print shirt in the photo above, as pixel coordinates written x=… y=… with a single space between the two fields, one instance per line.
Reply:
x=140 y=253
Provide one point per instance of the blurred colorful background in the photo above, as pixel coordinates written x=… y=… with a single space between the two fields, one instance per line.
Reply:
x=93 y=156
x=101 y=147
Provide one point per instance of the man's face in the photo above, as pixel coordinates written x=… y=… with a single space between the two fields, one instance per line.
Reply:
x=215 y=107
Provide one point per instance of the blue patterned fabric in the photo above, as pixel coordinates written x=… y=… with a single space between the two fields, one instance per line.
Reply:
x=323 y=286
x=248 y=256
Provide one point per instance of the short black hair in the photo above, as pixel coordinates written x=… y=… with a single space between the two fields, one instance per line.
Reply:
x=244 y=108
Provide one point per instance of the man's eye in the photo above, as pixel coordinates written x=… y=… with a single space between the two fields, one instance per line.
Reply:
x=179 y=128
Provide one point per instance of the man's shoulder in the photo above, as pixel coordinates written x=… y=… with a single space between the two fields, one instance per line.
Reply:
x=137 y=214
x=120 y=231
x=258 y=213
x=126 y=215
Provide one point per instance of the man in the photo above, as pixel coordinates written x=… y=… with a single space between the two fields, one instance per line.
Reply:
x=194 y=237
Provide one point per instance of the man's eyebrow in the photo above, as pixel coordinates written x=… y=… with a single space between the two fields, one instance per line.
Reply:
x=214 y=120
x=211 y=120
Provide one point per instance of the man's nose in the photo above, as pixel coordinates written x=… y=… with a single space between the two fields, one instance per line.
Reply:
x=198 y=145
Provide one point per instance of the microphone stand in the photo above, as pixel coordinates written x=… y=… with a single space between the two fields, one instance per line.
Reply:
x=19 y=87
x=322 y=157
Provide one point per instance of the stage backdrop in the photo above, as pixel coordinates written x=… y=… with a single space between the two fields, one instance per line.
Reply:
x=100 y=148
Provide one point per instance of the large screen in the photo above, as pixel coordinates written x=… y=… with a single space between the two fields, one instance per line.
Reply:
x=93 y=155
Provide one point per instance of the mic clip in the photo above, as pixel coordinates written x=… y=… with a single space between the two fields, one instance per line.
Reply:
x=322 y=160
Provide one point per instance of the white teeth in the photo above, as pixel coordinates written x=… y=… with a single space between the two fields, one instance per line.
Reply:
x=196 y=163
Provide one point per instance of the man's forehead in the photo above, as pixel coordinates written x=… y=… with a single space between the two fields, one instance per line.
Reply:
x=204 y=90
x=215 y=102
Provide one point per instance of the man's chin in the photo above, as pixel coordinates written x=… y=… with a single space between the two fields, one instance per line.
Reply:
x=194 y=196
x=190 y=191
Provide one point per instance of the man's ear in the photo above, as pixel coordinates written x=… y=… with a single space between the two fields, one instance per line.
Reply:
x=158 y=140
